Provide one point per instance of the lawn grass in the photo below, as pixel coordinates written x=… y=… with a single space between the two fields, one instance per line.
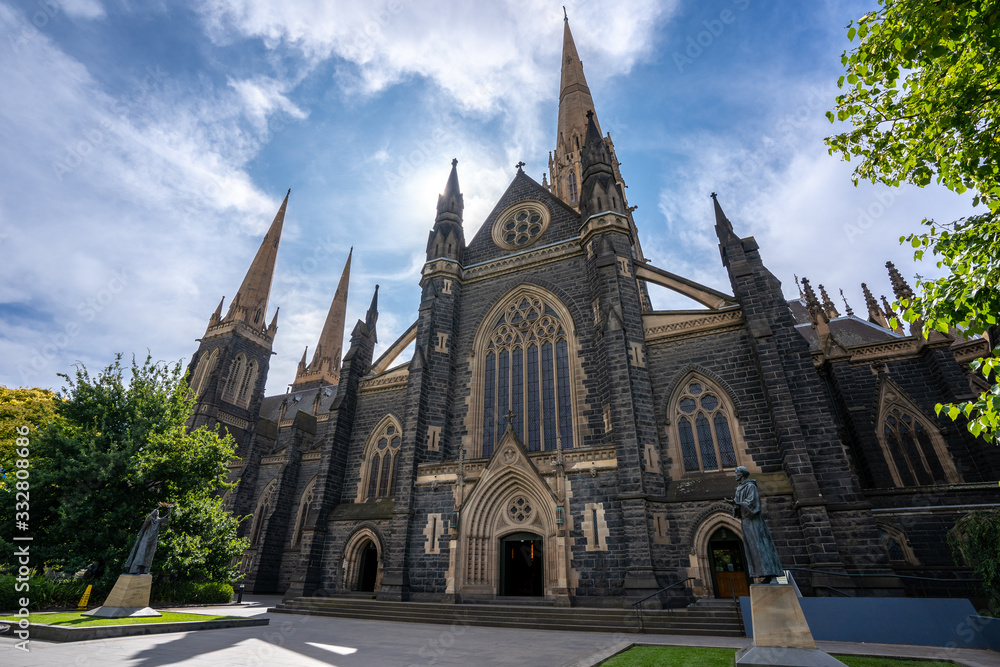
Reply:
x=78 y=620
x=686 y=656
x=690 y=656
x=862 y=661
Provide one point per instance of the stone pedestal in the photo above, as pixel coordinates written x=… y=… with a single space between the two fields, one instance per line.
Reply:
x=781 y=635
x=129 y=598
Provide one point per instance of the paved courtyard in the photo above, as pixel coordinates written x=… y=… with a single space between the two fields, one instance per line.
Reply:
x=313 y=641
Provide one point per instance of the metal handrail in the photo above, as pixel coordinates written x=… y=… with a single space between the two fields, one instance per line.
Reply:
x=835 y=590
x=638 y=609
x=897 y=576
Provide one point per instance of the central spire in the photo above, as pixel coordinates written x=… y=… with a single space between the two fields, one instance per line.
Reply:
x=574 y=94
x=250 y=302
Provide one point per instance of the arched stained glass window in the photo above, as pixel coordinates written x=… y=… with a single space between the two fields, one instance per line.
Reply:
x=572 y=187
x=913 y=448
x=703 y=419
x=262 y=511
x=527 y=372
x=381 y=461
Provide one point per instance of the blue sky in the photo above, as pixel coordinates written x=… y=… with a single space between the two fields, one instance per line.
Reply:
x=145 y=147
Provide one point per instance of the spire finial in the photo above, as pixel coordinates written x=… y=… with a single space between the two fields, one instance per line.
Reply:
x=799 y=285
x=519 y=165
x=565 y=15
x=454 y=162
x=850 y=311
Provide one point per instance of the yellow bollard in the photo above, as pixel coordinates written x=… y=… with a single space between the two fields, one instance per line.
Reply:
x=85 y=599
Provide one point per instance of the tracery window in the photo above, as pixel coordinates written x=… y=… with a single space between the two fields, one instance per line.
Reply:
x=304 y=503
x=704 y=423
x=896 y=546
x=381 y=461
x=526 y=371
x=572 y=187
x=913 y=448
x=203 y=371
x=261 y=513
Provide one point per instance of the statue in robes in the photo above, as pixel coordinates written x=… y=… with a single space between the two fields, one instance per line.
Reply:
x=761 y=552
x=141 y=557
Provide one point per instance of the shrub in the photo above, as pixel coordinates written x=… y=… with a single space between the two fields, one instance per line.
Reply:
x=191 y=592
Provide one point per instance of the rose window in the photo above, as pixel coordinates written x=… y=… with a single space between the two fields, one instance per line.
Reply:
x=520 y=225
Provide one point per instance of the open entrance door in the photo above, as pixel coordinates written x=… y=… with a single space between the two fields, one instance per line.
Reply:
x=521 y=565
x=368 y=568
x=728 y=560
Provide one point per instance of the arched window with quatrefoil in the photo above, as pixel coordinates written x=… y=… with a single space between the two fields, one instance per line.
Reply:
x=525 y=366
x=378 y=473
x=705 y=432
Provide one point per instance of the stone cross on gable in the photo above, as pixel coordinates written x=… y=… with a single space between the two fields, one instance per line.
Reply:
x=510 y=418
x=519 y=165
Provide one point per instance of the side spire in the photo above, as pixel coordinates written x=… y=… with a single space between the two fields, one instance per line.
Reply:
x=600 y=191
x=325 y=365
x=250 y=303
x=446 y=238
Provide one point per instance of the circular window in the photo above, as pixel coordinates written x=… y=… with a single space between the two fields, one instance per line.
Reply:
x=520 y=225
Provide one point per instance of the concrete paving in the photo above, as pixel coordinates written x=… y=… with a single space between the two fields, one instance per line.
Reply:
x=311 y=641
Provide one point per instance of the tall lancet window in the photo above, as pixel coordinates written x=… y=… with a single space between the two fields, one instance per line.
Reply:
x=526 y=371
x=572 y=187
x=705 y=427
x=378 y=472
x=235 y=376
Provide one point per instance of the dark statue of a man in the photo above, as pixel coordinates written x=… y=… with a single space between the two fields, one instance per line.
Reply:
x=141 y=557
x=761 y=552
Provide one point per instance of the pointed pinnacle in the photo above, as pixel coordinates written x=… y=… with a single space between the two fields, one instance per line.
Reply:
x=450 y=202
x=723 y=228
x=899 y=286
x=828 y=305
x=798 y=285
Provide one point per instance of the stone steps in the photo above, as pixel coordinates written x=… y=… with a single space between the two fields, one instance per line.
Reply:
x=714 y=620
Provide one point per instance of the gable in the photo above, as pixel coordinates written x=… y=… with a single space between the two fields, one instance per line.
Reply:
x=564 y=222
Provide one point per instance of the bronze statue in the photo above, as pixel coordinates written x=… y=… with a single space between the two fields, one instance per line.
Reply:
x=141 y=557
x=761 y=552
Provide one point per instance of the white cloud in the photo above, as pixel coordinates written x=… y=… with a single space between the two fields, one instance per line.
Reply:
x=83 y=9
x=782 y=187
x=113 y=207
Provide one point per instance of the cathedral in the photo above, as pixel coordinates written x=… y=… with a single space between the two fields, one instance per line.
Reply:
x=554 y=436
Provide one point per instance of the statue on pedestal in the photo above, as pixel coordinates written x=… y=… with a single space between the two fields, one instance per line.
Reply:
x=141 y=557
x=761 y=552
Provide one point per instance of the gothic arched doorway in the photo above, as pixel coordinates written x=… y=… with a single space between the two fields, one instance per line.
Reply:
x=728 y=562
x=368 y=568
x=521 y=565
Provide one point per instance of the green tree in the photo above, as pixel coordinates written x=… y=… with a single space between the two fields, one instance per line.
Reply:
x=20 y=408
x=116 y=449
x=975 y=540
x=922 y=94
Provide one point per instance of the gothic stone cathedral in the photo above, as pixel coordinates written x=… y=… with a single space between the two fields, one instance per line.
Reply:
x=554 y=436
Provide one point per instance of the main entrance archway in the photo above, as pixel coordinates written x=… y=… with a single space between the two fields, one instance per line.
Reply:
x=728 y=562
x=522 y=565
x=368 y=568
